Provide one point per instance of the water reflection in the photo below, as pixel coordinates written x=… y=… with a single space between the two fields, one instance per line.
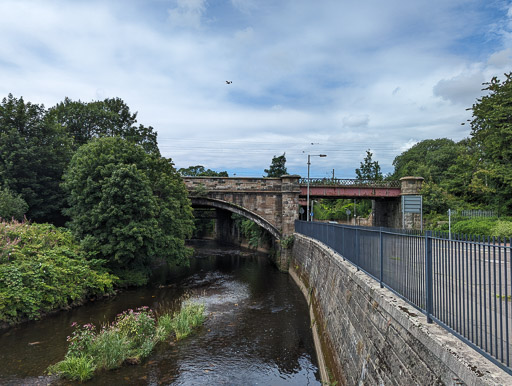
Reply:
x=257 y=331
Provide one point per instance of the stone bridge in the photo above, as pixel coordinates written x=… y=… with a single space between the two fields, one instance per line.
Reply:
x=273 y=203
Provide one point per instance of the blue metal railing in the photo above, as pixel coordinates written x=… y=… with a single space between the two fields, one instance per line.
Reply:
x=463 y=284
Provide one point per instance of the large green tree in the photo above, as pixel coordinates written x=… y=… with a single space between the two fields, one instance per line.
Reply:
x=34 y=151
x=127 y=206
x=491 y=132
x=429 y=159
x=277 y=167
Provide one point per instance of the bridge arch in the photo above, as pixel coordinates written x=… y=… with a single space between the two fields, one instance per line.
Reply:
x=220 y=204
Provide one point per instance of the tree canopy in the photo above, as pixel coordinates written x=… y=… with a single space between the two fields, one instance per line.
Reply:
x=200 y=171
x=127 y=206
x=34 y=150
x=36 y=145
x=491 y=133
x=277 y=167
x=429 y=159
x=111 y=117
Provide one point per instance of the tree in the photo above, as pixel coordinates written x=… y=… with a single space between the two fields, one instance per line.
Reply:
x=200 y=171
x=277 y=167
x=110 y=117
x=491 y=132
x=34 y=151
x=12 y=206
x=429 y=159
x=128 y=207
x=369 y=170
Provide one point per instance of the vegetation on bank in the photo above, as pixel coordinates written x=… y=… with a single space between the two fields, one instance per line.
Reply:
x=42 y=269
x=130 y=338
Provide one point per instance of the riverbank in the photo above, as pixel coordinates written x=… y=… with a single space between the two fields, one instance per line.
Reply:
x=258 y=327
x=43 y=270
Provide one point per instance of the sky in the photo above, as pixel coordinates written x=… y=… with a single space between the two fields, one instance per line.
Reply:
x=334 y=77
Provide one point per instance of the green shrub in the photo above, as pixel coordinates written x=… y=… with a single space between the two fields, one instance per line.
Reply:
x=484 y=227
x=474 y=226
x=43 y=269
x=502 y=228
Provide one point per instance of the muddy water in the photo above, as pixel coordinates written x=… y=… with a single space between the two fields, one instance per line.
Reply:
x=257 y=331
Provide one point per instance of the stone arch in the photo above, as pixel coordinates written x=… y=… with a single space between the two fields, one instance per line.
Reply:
x=219 y=204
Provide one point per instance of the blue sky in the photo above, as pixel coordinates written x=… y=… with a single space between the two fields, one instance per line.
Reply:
x=309 y=77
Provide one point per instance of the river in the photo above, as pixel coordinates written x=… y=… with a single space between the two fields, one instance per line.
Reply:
x=257 y=331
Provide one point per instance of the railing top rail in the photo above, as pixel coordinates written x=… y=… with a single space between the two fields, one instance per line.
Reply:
x=350 y=182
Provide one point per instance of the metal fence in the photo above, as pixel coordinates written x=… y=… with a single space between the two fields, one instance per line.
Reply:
x=472 y=213
x=463 y=284
x=351 y=182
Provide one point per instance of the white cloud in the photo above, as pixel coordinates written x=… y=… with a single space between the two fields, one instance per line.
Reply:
x=356 y=121
x=187 y=13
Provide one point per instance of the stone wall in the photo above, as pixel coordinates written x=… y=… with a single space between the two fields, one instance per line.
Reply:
x=372 y=337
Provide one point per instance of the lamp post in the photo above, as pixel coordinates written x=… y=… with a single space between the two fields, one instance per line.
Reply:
x=309 y=163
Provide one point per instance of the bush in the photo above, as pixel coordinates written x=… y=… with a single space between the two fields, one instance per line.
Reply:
x=43 y=269
x=484 y=227
x=502 y=228
x=474 y=226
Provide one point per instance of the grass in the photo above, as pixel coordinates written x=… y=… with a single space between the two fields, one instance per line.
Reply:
x=79 y=368
x=110 y=349
x=189 y=317
x=130 y=338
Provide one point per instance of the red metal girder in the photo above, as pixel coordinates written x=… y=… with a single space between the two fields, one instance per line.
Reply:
x=344 y=192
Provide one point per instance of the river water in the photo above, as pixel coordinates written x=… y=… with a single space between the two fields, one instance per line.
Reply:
x=257 y=331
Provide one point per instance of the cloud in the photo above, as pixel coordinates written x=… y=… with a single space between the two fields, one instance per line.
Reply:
x=356 y=121
x=462 y=89
x=245 y=6
x=187 y=13
x=501 y=59
x=412 y=67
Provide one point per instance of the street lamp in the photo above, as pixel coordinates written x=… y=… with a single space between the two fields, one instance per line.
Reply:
x=309 y=163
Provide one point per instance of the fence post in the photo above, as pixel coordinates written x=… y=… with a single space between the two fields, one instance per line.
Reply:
x=428 y=276
x=381 y=249
x=357 y=249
